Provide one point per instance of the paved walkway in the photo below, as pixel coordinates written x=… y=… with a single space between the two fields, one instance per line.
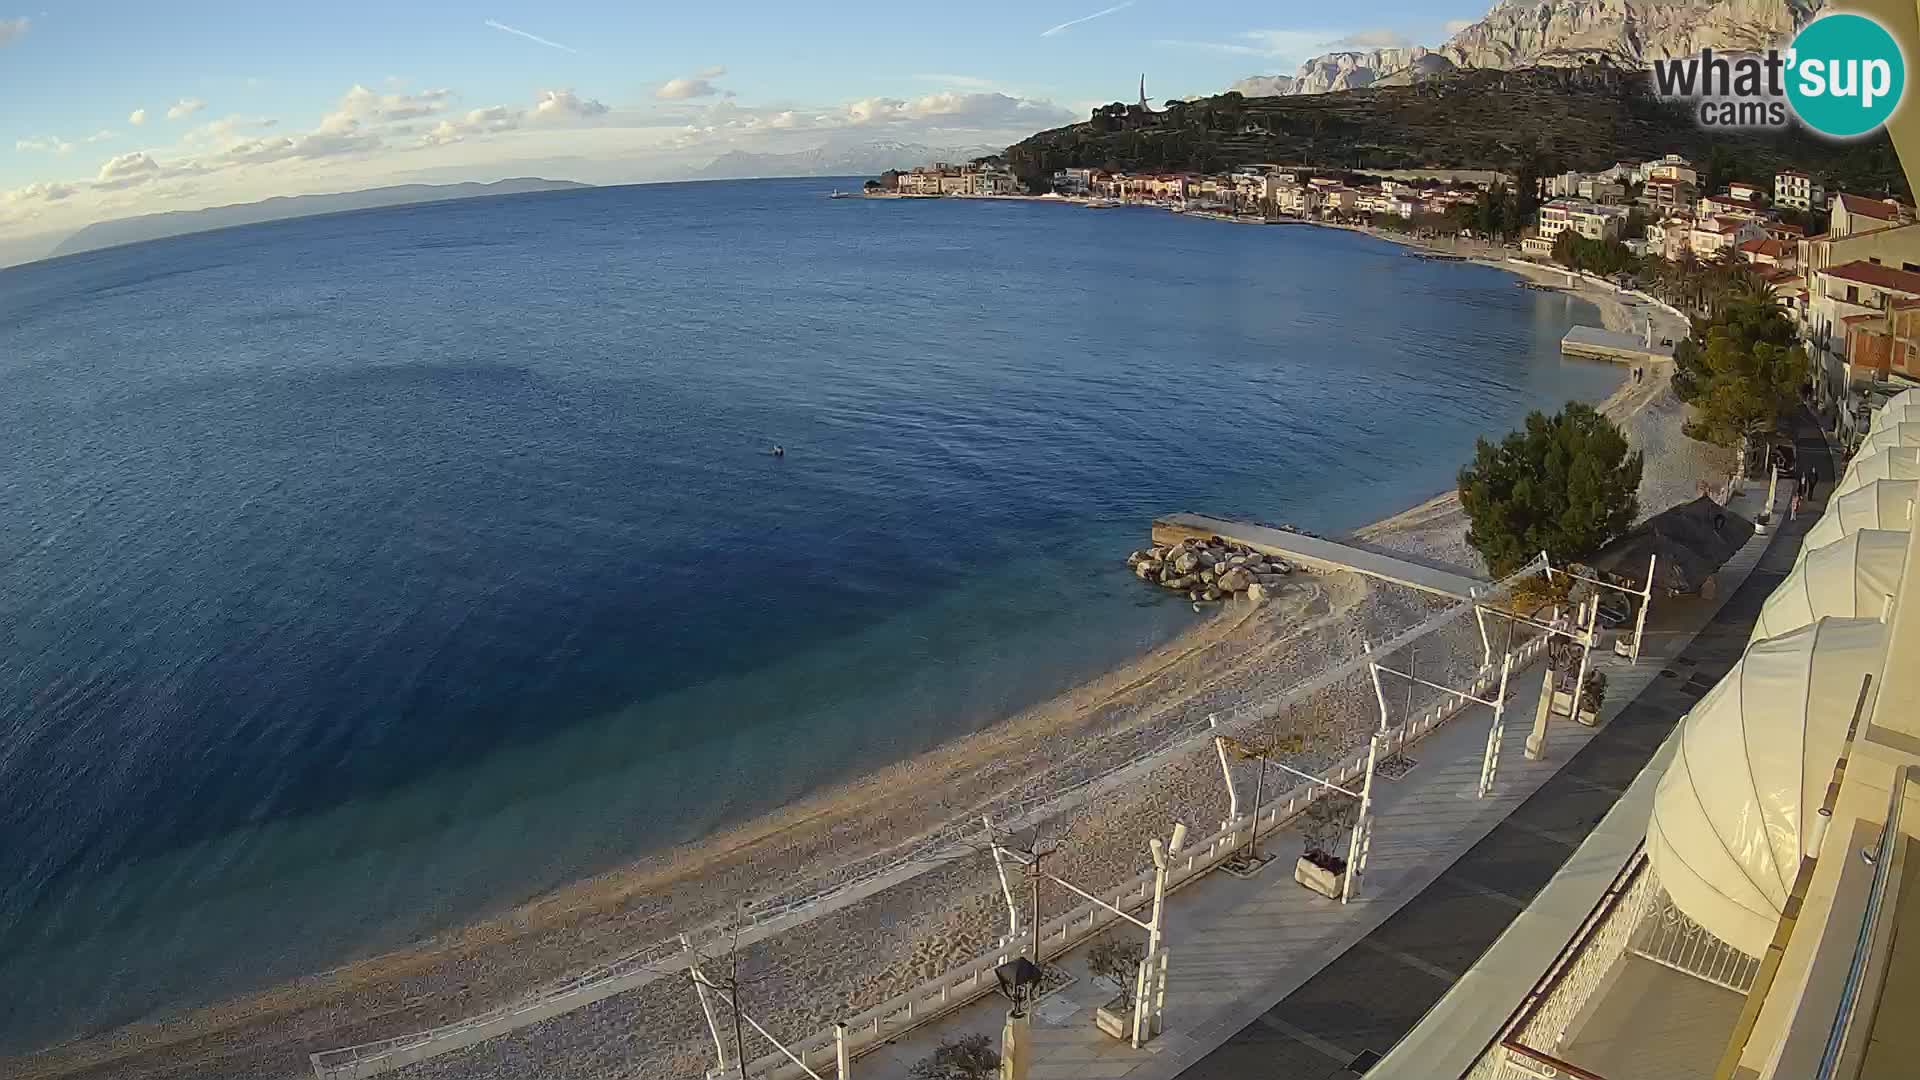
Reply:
x=1359 y=1006
x=1321 y=554
x=1449 y=872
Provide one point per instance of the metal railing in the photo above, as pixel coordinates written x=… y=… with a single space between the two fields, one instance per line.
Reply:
x=885 y=869
x=1539 y=1026
x=1667 y=937
x=1850 y=994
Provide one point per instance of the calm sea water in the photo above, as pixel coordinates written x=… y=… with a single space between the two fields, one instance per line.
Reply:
x=363 y=574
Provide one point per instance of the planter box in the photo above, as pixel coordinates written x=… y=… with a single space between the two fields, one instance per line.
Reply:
x=1562 y=703
x=1623 y=646
x=1589 y=717
x=1115 y=1018
x=1318 y=878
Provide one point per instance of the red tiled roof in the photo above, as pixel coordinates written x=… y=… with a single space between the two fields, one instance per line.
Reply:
x=1765 y=245
x=1873 y=208
x=1880 y=277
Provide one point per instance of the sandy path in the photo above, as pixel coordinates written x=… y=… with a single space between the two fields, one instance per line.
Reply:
x=809 y=975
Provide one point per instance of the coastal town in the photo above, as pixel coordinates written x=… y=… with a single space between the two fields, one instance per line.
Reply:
x=1844 y=265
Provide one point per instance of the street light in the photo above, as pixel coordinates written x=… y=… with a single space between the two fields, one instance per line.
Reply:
x=1019 y=980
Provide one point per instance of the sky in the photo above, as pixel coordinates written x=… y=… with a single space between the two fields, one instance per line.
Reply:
x=110 y=108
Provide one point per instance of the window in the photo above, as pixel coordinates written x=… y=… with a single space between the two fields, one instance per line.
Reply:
x=1853 y=294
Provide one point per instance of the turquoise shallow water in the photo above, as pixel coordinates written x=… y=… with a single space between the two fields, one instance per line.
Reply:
x=366 y=573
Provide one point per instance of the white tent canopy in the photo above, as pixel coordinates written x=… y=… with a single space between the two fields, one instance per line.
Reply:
x=1894 y=434
x=1881 y=504
x=1894 y=463
x=1736 y=810
x=1849 y=578
x=1900 y=408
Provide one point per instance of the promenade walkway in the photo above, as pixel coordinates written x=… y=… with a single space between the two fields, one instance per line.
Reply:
x=1372 y=996
x=1351 y=979
x=1312 y=551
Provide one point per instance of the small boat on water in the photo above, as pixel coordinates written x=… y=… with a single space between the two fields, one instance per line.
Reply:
x=838 y=194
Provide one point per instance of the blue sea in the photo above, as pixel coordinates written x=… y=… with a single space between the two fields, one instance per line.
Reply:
x=364 y=574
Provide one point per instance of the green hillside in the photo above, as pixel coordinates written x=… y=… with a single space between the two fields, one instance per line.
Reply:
x=1561 y=118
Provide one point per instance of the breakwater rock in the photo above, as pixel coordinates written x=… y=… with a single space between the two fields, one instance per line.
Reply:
x=1211 y=569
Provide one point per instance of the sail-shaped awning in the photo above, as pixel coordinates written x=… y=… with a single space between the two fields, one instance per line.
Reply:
x=1882 y=504
x=1893 y=463
x=1853 y=577
x=1736 y=810
x=1903 y=433
x=1900 y=408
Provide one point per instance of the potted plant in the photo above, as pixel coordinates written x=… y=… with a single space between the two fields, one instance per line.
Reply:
x=1117 y=962
x=1593 y=694
x=1322 y=824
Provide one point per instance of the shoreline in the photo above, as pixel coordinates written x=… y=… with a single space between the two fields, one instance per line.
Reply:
x=945 y=913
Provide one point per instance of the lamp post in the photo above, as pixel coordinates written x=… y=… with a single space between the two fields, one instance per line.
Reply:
x=1019 y=981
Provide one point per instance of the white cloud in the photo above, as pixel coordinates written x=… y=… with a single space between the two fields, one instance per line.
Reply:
x=184 y=108
x=478 y=122
x=697 y=85
x=1454 y=26
x=530 y=37
x=320 y=144
x=1287 y=45
x=127 y=170
x=956 y=110
x=963 y=82
x=46 y=191
x=12 y=30
x=45 y=144
x=1380 y=38
x=360 y=105
x=137 y=117
x=101 y=136
x=564 y=105
x=1071 y=23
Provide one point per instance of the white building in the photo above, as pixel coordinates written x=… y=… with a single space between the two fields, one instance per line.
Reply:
x=1796 y=190
x=1587 y=219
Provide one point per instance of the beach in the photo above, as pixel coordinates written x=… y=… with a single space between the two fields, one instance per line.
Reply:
x=872 y=949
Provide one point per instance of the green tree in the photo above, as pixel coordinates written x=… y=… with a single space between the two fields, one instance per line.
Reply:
x=1563 y=484
x=1745 y=367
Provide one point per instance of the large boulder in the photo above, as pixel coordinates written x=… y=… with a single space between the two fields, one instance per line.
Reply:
x=1257 y=593
x=1236 y=579
x=1186 y=562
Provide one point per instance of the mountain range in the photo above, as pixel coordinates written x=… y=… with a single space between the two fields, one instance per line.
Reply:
x=1555 y=33
x=132 y=230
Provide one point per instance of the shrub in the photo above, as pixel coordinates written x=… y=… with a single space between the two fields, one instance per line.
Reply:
x=968 y=1057
x=1117 y=960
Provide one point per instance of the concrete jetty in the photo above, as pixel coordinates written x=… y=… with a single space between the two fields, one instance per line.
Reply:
x=1597 y=344
x=1313 y=552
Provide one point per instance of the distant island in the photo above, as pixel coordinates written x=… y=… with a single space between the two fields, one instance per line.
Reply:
x=133 y=230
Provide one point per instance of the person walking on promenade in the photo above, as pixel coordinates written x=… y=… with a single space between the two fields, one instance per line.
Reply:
x=1813 y=479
